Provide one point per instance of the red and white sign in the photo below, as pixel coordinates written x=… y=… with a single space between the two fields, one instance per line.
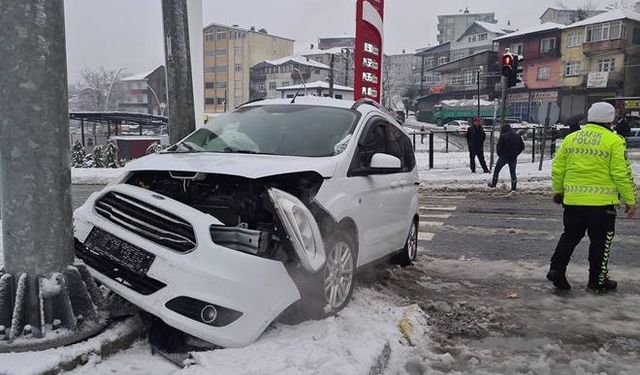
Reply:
x=368 y=49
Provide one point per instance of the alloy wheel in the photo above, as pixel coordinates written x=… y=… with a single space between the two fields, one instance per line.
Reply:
x=338 y=274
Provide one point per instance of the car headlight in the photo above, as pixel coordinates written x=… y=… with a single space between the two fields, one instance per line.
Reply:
x=301 y=227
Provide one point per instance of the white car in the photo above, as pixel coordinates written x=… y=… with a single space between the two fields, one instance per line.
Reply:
x=459 y=126
x=274 y=203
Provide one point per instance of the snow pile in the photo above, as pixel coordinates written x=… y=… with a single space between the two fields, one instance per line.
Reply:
x=94 y=176
x=346 y=344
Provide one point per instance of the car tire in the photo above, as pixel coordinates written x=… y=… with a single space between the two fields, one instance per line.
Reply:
x=329 y=292
x=409 y=252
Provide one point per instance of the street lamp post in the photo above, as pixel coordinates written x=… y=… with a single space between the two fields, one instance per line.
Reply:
x=478 y=82
x=160 y=104
x=106 y=103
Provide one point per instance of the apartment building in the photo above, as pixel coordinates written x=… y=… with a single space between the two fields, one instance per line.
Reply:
x=451 y=27
x=145 y=92
x=267 y=76
x=229 y=54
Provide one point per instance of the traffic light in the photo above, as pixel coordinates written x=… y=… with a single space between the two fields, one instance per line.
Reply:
x=511 y=68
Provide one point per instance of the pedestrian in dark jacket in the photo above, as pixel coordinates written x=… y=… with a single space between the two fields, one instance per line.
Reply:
x=622 y=127
x=475 y=141
x=510 y=145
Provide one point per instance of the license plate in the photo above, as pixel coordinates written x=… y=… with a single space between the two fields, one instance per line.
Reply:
x=123 y=253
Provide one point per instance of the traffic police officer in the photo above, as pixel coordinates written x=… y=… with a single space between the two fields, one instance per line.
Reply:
x=589 y=175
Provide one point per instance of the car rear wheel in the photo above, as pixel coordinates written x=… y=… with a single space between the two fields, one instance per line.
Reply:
x=410 y=251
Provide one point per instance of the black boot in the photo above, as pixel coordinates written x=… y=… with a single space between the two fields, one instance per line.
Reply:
x=493 y=183
x=608 y=286
x=559 y=279
x=514 y=185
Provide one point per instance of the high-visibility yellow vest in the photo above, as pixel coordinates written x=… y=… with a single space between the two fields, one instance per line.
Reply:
x=591 y=169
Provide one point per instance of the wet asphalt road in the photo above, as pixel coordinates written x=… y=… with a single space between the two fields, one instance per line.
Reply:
x=495 y=226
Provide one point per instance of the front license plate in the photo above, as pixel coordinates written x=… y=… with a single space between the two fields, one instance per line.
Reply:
x=123 y=253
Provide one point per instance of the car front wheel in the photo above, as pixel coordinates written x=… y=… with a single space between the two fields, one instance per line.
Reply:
x=339 y=273
x=410 y=250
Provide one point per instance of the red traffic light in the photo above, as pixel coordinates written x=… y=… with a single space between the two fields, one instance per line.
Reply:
x=507 y=60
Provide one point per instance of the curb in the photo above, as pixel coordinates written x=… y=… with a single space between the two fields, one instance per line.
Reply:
x=117 y=337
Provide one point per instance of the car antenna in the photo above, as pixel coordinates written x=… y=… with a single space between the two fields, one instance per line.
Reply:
x=304 y=84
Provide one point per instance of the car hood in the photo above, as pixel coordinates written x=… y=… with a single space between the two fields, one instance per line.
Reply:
x=244 y=165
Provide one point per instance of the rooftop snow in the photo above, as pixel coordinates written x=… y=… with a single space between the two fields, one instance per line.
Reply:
x=547 y=26
x=614 y=15
x=138 y=77
x=299 y=60
x=316 y=85
x=496 y=27
x=317 y=51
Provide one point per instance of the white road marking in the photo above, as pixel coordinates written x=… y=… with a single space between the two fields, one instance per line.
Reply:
x=439 y=208
x=424 y=236
x=431 y=223
x=435 y=216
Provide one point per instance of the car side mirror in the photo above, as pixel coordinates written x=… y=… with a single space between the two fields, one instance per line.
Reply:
x=385 y=161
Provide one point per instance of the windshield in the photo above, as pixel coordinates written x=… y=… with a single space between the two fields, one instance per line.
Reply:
x=293 y=130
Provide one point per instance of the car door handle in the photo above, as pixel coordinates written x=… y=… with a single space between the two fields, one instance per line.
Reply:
x=395 y=184
x=403 y=182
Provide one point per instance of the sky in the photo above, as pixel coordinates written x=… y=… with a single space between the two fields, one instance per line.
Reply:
x=128 y=33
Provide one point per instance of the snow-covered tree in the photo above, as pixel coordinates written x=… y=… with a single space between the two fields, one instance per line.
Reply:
x=98 y=157
x=110 y=155
x=77 y=155
x=155 y=148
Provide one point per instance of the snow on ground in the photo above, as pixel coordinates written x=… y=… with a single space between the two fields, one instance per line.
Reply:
x=348 y=344
x=94 y=176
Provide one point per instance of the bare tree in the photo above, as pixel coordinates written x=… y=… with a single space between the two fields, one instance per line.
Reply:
x=620 y=4
x=583 y=11
x=90 y=92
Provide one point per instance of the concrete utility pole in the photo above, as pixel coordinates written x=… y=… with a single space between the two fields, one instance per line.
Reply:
x=40 y=290
x=332 y=62
x=178 y=60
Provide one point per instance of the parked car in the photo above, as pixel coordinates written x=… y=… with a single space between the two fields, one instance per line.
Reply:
x=633 y=141
x=273 y=204
x=459 y=126
x=148 y=132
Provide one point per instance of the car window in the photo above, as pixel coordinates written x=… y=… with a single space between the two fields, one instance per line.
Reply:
x=293 y=130
x=381 y=137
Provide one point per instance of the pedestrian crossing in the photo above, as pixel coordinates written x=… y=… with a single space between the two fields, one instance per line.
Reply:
x=434 y=211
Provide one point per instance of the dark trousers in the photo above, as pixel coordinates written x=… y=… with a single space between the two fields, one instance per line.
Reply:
x=599 y=222
x=472 y=160
x=501 y=163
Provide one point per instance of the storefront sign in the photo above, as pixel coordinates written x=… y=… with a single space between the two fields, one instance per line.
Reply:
x=436 y=90
x=545 y=96
x=597 y=79
x=368 y=49
x=522 y=97
x=632 y=104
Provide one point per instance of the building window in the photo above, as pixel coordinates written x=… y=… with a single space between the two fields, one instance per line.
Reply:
x=483 y=36
x=220 y=101
x=221 y=52
x=221 y=35
x=221 y=85
x=209 y=69
x=572 y=68
x=338 y=96
x=605 y=31
x=470 y=77
x=285 y=83
x=442 y=60
x=472 y=38
x=209 y=85
x=238 y=51
x=272 y=85
x=210 y=101
x=209 y=53
x=238 y=67
x=208 y=37
x=547 y=45
x=220 y=69
x=429 y=63
x=517 y=48
x=459 y=55
x=544 y=72
x=607 y=64
x=261 y=87
x=574 y=39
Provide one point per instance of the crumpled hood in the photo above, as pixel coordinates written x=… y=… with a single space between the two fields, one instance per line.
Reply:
x=244 y=165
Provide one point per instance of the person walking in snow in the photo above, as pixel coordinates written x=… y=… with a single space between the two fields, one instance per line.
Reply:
x=510 y=146
x=475 y=141
x=589 y=175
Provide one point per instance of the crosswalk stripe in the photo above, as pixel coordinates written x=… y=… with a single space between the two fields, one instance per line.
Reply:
x=439 y=208
x=451 y=197
x=431 y=223
x=434 y=216
x=424 y=236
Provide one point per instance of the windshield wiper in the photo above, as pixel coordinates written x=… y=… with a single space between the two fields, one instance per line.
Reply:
x=234 y=150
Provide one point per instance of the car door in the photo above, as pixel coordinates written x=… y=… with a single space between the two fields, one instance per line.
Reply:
x=376 y=192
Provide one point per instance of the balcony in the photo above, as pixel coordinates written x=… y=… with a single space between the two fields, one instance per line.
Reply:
x=592 y=48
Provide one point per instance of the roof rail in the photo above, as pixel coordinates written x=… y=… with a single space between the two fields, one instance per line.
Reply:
x=249 y=102
x=372 y=102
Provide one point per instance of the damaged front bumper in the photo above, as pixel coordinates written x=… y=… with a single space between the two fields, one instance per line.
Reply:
x=221 y=295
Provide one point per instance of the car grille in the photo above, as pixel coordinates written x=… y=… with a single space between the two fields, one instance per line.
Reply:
x=147 y=221
x=140 y=283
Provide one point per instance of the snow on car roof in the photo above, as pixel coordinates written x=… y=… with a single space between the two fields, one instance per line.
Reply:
x=307 y=100
x=316 y=85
